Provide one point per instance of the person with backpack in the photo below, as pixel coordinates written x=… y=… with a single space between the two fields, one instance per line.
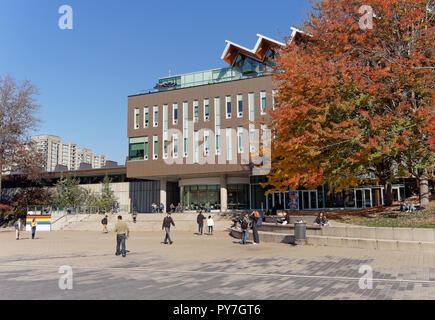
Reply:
x=244 y=225
x=200 y=220
x=104 y=223
x=134 y=216
x=256 y=222
x=167 y=221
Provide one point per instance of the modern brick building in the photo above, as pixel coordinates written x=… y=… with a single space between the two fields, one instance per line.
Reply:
x=198 y=134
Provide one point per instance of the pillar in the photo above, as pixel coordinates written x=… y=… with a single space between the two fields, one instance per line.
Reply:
x=163 y=193
x=224 y=194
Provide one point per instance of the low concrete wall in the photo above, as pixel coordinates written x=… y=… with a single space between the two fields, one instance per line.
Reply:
x=357 y=243
x=376 y=233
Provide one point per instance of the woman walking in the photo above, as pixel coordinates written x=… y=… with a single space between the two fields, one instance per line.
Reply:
x=256 y=222
x=33 y=225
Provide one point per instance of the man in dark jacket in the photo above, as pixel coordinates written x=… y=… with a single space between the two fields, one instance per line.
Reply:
x=167 y=221
x=200 y=220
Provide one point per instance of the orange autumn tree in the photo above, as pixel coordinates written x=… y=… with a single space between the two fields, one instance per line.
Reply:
x=355 y=95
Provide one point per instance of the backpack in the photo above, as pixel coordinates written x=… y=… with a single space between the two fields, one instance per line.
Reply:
x=104 y=221
x=259 y=221
x=244 y=224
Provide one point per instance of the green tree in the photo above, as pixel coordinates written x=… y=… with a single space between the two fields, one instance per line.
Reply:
x=107 y=199
x=69 y=194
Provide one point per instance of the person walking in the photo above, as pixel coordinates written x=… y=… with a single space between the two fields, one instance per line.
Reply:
x=167 y=221
x=200 y=221
x=244 y=225
x=122 y=233
x=134 y=215
x=162 y=208
x=33 y=225
x=18 y=227
x=104 y=223
x=210 y=225
x=256 y=222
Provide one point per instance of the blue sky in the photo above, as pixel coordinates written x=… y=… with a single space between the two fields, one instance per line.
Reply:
x=117 y=48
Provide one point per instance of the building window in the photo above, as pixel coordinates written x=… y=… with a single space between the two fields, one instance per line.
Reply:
x=146 y=149
x=155 y=147
x=155 y=116
x=165 y=131
x=175 y=145
x=229 y=144
x=206 y=109
x=206 y=143
x=136 y=118
x=195 y=111
x=217 y=123
x=239 y=106
x=251 y=106
x=274 y=93
x=175 y=114
x=136 y=148
x=240 y=139
x=252 y=138
x=185 y=128
x=146 y=117
x=196 y=146
x=228 y=106
x=263 y=102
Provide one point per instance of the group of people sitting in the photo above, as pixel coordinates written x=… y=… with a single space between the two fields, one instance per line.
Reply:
x=320 y=221
x=407 y=207
x=177 y=209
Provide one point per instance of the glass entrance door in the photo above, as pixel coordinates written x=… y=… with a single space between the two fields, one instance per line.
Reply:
x=309 y=199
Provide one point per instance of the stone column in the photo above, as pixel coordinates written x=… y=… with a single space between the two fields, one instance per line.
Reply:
x=163 y=193
x=224 y=195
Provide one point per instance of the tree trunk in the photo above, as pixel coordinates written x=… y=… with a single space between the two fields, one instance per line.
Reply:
x=424 y=190
x=388 y=197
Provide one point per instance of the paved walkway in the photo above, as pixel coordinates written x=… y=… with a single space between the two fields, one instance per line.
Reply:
x=203 y=267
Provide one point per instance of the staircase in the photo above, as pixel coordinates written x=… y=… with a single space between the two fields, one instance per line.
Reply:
x=146 y=222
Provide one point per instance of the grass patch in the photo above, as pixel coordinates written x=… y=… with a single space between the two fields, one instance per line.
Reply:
x=392 y=217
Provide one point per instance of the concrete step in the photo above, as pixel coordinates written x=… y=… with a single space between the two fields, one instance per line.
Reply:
x=357 y=232
x=360 y=243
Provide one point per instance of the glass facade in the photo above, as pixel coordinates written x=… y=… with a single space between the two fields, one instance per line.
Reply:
x=238 y=196
x=193 y=196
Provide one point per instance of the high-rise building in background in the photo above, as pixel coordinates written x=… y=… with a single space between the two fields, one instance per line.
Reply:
x=66 y=154
x=49 y=146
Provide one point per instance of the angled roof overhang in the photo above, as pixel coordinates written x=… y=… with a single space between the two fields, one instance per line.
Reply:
x=261 y=47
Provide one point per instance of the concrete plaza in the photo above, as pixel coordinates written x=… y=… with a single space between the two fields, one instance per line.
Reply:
x=202 y=268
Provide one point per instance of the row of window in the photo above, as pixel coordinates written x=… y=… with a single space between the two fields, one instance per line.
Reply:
x=139 y=147
x=206 y=107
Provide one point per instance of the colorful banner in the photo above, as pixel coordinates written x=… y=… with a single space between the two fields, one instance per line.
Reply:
x=43 y=223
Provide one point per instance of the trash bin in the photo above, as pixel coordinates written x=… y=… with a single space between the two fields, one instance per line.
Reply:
x=300 y=232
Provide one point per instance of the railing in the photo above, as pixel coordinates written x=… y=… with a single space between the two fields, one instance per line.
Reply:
x=212 y=80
